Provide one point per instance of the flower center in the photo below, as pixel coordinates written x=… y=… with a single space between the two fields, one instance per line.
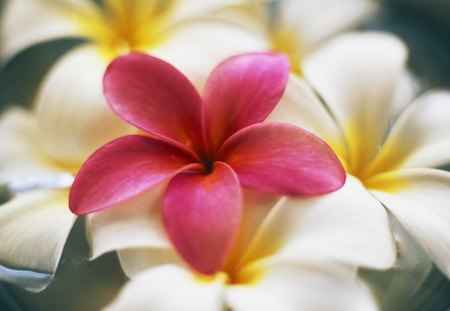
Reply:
x=125 y=26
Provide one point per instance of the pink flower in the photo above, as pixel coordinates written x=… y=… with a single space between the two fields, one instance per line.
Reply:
x=205 y=148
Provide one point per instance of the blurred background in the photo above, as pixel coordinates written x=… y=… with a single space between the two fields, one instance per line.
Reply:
x=423 y=24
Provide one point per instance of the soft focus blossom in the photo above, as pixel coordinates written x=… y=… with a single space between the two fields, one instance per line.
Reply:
x=34 y=225
x=206 y=148
x=70 y=102
x=357 y=76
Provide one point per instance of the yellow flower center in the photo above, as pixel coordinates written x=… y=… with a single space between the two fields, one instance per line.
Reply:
x=124 y=26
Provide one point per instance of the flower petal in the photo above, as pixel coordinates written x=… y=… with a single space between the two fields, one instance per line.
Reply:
x=242 y=91
x=122 y=169
x=202 y=214
x=25 y=23
x=21 y=153
x=301 y=17
x=155 y=97
x=421 y=136
x=356 y=75
x=420 y=200
x=284 y=159
x=301 y=107
x=291 y=287
x=33 y=230
x=169 y=288
x=347 y=226
x=73 y=116
x=134 y=223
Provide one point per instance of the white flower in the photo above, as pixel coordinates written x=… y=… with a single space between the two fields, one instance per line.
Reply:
x=357 y=76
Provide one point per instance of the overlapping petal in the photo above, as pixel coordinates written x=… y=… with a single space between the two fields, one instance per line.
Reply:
x=155 y=97
x=202 y=212
x=300 y=106
x=122 y=169
x=73 y=116
x=292 y=287
x=27 y=245
x=356 y=74
x=419 y=200
x=348 y=226
x=420 y=137
x=284 y=159
x=242 y=91
x=134 y=223
x=169 y=288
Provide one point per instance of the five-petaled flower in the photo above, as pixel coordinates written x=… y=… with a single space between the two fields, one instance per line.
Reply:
x=207 y=148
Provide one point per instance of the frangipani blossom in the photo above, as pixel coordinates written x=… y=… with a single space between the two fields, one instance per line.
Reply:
x=70 y=103
x=205 y=148
x=35 y=223
x=356 y=75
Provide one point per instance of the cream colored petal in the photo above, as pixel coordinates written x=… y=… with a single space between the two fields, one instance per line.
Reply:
x=291 y=287
x=33 y=230
x=133 y=224
x=196 y=47
x=356 y=74
x=420 y=200
x=73 y=116
x=301 y=106
x=316 y=20
x=21 y=153
x=421 y=136
x=347 y=226
x=25 y=23
x=169 y=288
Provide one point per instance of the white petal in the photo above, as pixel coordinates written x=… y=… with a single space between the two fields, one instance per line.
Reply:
x=348 y=226
x=21 y=153
x=33 y=230
x=421 y=136
x=26 y=23
x=300 y=106
x=420 y=200
x=196 y=47
x=133 y=224
x=356 y=75
x=291 y=287
x=315 y=20
x=74 y=118
x=169 y=288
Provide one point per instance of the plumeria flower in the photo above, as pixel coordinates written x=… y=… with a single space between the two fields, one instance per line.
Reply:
x=35 y=223
x=398 y=162
x=205 y=148
x=70 y=103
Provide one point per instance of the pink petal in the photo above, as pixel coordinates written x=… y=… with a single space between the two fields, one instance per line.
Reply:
x=202 y=214
x=284 y=159
x=241 y=91
x=155 y=97
x=122 y=169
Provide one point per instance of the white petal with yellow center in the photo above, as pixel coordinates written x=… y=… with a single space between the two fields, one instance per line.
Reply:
x=420 y=200
x=169 y=288
x=356 y=75
x=74 y=118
